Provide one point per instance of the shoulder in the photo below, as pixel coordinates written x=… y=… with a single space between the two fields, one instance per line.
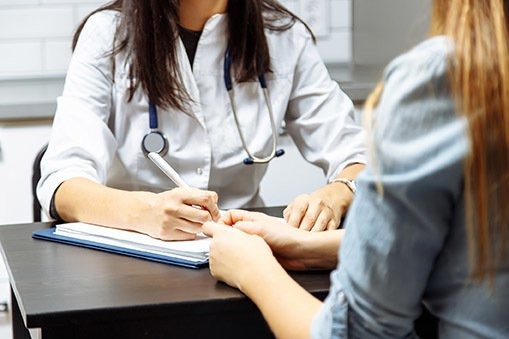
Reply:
x=104 y=19
x=416 y=115
x=100 y=27
x=425 y=63
x=297 y=34
x=416 y=87
x=287 y=47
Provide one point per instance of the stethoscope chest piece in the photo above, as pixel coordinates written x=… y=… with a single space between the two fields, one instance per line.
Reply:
x=154 y=141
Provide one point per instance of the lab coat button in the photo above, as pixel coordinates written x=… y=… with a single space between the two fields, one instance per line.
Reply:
x=199 y=171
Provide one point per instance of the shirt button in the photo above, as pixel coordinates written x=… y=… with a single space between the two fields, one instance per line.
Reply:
x=341 y=298
x=199 y=171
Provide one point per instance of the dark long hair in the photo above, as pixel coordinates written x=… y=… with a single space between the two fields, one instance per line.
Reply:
x=148 y=31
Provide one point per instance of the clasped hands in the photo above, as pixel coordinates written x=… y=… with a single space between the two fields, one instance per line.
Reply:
x=246 y=244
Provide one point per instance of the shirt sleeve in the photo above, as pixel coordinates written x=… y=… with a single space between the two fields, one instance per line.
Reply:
x=392 y=240
x=321 y=117
x=81 y=143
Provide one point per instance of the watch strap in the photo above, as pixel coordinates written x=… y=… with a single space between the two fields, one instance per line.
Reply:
x=350 y=183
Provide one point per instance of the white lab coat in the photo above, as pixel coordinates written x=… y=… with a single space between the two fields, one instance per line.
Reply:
x=97 y=133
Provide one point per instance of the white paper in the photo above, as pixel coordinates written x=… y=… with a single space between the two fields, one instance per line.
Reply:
x=196 y=250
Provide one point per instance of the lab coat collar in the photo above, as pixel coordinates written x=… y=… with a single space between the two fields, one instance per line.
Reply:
x=216 y=25
x=208 y=59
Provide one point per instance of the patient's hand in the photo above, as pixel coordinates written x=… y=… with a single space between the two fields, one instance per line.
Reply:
x=284 y=240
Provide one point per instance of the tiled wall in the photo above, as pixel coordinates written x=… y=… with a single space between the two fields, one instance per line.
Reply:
x=35 y=34
x=331 y=21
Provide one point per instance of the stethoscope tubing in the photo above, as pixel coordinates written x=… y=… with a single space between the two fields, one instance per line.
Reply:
x=251 y=159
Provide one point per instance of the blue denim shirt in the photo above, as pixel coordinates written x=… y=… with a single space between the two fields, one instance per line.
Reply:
x=408 y=247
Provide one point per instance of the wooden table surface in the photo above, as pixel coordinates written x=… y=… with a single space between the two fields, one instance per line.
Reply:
x=67 y=290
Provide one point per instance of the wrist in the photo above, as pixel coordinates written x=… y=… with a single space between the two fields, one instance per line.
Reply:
x=139 y=206
x=260 y=276
x=320 y=249
x=348 y=182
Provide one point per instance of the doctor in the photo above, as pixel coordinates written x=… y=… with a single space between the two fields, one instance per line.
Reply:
x=205 y=83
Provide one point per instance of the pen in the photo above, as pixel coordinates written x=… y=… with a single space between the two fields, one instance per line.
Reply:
x=167 y=169
x=170 y=172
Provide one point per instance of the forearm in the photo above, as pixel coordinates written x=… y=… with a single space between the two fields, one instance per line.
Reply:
x=319 y=250
x=286 y=306
x=351 y=171
x=80 y=199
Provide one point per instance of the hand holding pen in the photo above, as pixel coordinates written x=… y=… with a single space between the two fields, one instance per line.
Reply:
x=178 y=207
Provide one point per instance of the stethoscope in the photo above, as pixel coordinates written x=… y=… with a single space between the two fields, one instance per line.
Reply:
x=156 y=141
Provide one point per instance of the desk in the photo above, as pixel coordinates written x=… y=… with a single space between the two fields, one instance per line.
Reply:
x=71 y=292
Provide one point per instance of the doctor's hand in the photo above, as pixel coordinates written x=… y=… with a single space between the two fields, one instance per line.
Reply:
x=238 y=258
x=320 y=210
x=178 y=214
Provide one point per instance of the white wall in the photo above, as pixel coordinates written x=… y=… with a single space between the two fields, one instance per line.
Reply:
x=289 y=176
x=35 y=35
x=385 y=29
x=331 y=21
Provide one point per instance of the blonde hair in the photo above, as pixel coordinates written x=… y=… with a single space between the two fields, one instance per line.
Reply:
x=369 y=126
x=479 y=83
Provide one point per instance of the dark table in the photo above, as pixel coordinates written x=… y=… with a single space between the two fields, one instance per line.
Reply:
x=65 y=291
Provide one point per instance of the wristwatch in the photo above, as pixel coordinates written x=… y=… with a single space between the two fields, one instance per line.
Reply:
x=350 y=183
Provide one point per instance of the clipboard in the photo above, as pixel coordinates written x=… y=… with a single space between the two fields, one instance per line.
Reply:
x=49 y=235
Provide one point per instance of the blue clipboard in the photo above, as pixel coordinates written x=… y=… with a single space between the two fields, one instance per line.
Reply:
x=49 y=234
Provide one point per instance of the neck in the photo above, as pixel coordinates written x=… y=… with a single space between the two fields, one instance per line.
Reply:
x=195 y=13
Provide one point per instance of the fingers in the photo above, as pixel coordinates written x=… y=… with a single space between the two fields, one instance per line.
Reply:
x=332 y=225
x=173 y=234
x=212 y=228
x=188 y=226
x=297 y=210
x=193 y=214
x=205 y=199
x=232 y=217
x=178 y=198
x=251 y=227
x=322 y=221
x=313 y=214
x=181 y=235
x=308 y=214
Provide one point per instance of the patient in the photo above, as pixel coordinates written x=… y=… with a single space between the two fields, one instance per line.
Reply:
x=429 y=224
